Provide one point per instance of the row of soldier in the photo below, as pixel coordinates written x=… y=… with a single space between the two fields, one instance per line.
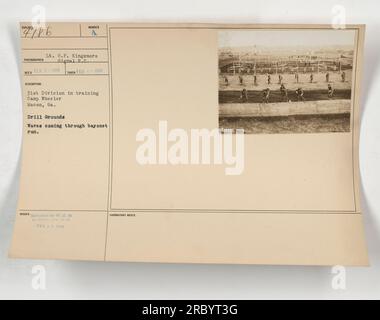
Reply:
x=284 y=94
x=281 y=78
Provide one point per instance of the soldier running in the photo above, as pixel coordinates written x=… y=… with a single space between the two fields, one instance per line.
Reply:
x=226 y=80
x=296 y=76
x=330 y=91
x=343 y=76
x=244 y=95
x=284 y=93
x=266 y=95
x=299 y=93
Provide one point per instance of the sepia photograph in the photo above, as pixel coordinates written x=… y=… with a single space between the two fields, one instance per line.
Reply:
x=286 y=81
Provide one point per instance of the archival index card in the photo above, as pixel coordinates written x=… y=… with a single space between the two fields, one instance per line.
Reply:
x=191 y=143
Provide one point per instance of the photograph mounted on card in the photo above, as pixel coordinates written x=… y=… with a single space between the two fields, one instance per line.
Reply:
x=191 y=143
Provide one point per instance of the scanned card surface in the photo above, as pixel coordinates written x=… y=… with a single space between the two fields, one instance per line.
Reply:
x=191 y=143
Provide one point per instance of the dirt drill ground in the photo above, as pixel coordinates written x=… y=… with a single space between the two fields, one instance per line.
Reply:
x=290 y=124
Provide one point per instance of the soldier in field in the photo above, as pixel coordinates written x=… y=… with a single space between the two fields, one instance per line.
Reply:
x=255 y=79
x=311 y=78
x=327 y=77
x=244 y=95
x=279 y=79
x=296 y=77
x=266 y=93
x=284 y=93
x=240 y=80
x=330 y=91
x=268 y=78
x=343 y=76
x=226 y=80
x=299 y=93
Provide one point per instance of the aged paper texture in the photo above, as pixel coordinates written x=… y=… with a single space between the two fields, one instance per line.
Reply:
x=191 y=143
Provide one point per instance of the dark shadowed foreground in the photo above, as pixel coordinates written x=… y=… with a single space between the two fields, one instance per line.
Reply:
x=289 y=124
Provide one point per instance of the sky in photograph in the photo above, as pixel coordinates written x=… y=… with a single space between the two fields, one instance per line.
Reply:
x=285 y=38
